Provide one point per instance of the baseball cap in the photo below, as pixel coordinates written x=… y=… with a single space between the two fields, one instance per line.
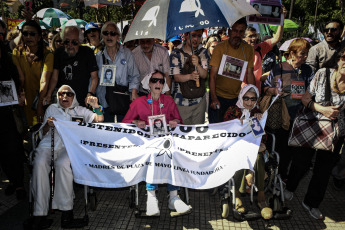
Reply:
x=91 y=25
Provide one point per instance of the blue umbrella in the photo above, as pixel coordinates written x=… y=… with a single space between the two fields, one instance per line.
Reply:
x=165 y=19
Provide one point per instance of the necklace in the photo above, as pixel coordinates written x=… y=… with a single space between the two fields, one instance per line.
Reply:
x=150 y=101
x=298 y=72
x=335 y=85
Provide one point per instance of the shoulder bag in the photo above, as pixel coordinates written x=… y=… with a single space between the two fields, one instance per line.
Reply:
x=117 y=96
x=189 y=89
x=312 y=129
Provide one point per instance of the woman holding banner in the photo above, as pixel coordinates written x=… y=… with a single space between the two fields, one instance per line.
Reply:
x=65 y=109
x=245 y=108
x=140 y=111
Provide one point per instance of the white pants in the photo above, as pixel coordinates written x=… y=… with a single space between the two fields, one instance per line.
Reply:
x=63 y=189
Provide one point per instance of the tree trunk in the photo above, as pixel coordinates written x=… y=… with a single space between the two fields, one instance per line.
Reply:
x=291 y=8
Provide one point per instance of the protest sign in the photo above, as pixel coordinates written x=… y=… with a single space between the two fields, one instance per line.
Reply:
x=121 y=155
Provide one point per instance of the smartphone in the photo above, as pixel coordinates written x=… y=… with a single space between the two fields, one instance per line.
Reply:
x=28 y=5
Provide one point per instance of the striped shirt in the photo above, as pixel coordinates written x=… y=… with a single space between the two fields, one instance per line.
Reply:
x=159 y=61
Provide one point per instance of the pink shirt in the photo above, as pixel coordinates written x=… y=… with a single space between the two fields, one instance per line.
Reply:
x=140 y=109
x=265 y=48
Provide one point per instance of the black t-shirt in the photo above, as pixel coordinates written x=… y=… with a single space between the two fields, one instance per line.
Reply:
x=75 y=71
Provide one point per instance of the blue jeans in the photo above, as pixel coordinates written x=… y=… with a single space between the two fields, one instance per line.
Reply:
x=217 y=115
x=152 y=187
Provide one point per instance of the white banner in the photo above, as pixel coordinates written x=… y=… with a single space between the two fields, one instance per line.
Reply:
x=120 y=155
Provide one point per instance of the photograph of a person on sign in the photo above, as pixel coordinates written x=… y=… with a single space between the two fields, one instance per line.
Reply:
x=108 y=75
x=158 y=124
x=276 y=11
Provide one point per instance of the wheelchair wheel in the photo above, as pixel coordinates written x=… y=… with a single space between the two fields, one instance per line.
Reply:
x=93 y=201
x=225 y=208
x=276 y=204
x=132 y=198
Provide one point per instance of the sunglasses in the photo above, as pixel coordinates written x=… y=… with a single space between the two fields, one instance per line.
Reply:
x=342 y=58
x=58 y=41
x=26 y=33
x=155 y=80
x=250 y=98
x=111 y=33
x=330 y=30
x=68 y=94
x=74 y=42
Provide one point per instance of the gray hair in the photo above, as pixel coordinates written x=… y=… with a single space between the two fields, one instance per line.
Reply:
x=251 y=90
x=111 y=23
x=72 y=28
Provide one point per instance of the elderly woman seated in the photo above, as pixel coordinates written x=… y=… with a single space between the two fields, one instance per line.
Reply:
x=65 y=109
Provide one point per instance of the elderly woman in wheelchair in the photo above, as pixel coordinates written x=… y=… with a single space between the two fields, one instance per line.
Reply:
x=67 y=108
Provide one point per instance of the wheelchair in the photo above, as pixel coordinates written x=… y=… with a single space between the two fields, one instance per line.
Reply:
x=274 y=191
x=134 y=203
x=89 y=195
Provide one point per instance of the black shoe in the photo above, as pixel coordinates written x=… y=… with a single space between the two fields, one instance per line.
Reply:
x=68 y=221
x=20 y=194
x=10 y=189
x=338 y=184
x=37 y=223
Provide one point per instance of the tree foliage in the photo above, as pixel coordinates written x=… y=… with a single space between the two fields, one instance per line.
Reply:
x=304 y=13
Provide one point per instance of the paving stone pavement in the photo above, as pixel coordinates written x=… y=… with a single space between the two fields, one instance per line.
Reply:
x=113 y=211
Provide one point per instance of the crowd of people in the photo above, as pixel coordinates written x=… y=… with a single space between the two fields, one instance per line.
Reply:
x=94 y=75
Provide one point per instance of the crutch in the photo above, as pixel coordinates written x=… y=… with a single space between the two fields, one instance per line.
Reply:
x=52 y=169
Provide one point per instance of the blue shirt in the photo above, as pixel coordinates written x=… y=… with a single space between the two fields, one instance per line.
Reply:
x=127 y=73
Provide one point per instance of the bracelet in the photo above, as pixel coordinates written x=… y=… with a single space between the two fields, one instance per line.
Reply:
x=99 y=110
x=310 y=103
x=92 y=94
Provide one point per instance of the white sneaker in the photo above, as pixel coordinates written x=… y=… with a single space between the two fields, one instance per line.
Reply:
x=177 y=204
x=314 y=212
x=288 y=195
x=152 y=206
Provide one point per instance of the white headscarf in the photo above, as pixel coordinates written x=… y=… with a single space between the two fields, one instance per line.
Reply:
x=146 y=83
x=244 y=90
x=74 y=102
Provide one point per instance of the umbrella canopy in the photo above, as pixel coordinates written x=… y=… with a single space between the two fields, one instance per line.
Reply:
x=165 y=19
x=102 y=2
x=53 y=17
x=44 y=26
x=76 y=22
x=286 y=44
x=289 y=26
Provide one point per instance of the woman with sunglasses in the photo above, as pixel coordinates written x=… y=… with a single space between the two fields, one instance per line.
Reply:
x=245 y=108
x=66 y=108
x=156 y=103
x=35 y=66
x=290 y=80
x=56 y=42
x=127 y=77
x=315 y=99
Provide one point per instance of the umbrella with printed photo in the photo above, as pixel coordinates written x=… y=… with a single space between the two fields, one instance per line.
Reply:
x=164 y=19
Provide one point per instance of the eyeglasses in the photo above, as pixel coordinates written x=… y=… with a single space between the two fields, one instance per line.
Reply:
x=27 y=33
x=154 y=80
x=74 y=42
x=68 y=94
x=330 y=30
x=111 y=33
x=250 y=98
